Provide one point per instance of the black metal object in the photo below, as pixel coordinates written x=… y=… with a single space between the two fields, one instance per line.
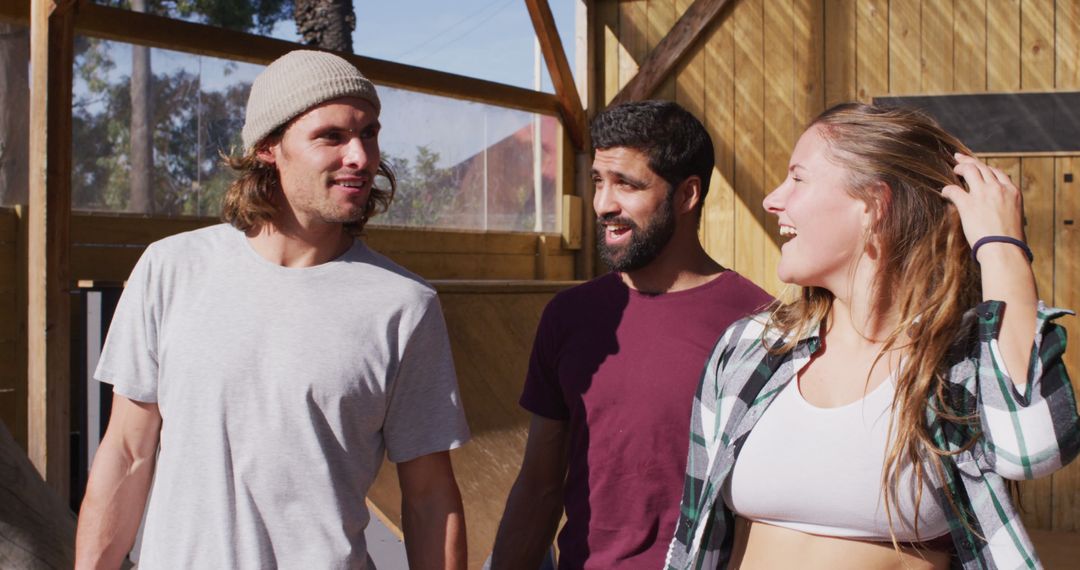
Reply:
x=1004 y=122
x=91 y=313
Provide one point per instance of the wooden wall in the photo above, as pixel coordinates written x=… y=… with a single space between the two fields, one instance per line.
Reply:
x=767 y=67
x=493 y=288
x=491 y=329
x=105 y=247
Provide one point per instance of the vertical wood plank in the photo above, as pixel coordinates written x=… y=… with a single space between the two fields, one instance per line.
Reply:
x=590 y=57
x=689 y=80
x=1037 y=186
x=905 y=48
x=1067 y=47
x=839 y=51
x=1036 y=497
x=969 y=46
x=632 y=37
x=937 y=46
x=661 y=17
x=1003 y=45
x=690 y=75
x=607 y=20
x=1037 y=44
x=749 y=139
x=809 y=56
x=718 y=217
x=1067 y=294
x=872 y=49
x=586 y=56
x=779 y=131
x=52 y=41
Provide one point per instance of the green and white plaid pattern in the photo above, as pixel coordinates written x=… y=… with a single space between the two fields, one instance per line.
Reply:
x=1018 y=436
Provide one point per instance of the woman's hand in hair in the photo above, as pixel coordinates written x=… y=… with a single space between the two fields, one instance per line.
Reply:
x=992 y=205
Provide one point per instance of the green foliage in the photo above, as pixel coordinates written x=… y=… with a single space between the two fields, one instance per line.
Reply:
x=259 y=16
x=427 y=194
x=189 y=124
x=192 y=125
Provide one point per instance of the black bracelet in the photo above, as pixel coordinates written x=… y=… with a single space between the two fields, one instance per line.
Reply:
x=1001 y=239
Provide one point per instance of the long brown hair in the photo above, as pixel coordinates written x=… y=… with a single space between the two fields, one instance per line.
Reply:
x=249 y=202
x=898 y=160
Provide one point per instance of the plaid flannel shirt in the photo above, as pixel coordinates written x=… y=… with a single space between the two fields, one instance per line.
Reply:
x=1019 y=436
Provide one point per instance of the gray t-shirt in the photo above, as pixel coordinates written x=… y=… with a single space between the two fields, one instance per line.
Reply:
x=279 y=389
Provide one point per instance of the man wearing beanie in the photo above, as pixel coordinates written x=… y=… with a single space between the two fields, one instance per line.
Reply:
x=275 y=358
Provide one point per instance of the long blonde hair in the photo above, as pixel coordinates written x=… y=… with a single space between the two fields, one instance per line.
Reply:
x=249 y=202
x=898 y=160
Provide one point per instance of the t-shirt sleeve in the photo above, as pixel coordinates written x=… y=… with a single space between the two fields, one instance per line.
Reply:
x=543 y=394
x=129 y=358
x=425 y=413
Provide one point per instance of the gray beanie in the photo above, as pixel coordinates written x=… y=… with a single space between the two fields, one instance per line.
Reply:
x=296 y=82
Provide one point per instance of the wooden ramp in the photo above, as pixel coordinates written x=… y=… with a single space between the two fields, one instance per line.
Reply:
x=1058 y=550
x=491 y=328
x=36 y=529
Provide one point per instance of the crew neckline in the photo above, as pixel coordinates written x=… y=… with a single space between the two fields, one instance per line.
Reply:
x=254 y=256
x=652 y=297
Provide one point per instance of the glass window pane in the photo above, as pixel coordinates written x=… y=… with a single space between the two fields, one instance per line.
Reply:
x=487 y=39
x=468 y=165
x=14 y=113
x=192 y=108
x=460 y=164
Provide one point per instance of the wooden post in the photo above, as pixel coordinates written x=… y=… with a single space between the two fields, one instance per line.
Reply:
x=570 y=109
x=663 y=59
x=49 y=217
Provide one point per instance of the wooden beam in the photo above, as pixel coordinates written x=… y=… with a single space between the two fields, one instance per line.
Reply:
x=49 y=215
x=570 y=108
x=18 y=12
x=671 y=50
x=166 y=33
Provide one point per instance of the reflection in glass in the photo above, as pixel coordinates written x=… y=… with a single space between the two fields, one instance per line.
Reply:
x=460 y=164
x=196 y=110
x=487 y=39
x=468 y=165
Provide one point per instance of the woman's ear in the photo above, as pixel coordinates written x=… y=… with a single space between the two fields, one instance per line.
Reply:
x=874 y=219
x=878 y=208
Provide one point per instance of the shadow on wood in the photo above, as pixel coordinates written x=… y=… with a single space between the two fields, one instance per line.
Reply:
x=36 y=529
x=491 y=329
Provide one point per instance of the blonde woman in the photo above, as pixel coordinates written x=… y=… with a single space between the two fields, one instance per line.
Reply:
x=874 y=418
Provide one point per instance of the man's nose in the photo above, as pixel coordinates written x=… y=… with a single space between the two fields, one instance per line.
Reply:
x=356 y=154
x=604 y=202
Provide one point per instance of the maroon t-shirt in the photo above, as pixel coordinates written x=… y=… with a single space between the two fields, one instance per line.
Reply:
x=622 y=368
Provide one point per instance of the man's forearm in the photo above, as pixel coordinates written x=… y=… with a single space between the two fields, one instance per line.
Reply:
x=528 y=527
x=435 y=533
x=112 y=508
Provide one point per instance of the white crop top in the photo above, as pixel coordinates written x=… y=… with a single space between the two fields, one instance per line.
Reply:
x=818 y=470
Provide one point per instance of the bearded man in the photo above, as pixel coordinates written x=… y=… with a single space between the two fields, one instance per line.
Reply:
x=616 y=360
